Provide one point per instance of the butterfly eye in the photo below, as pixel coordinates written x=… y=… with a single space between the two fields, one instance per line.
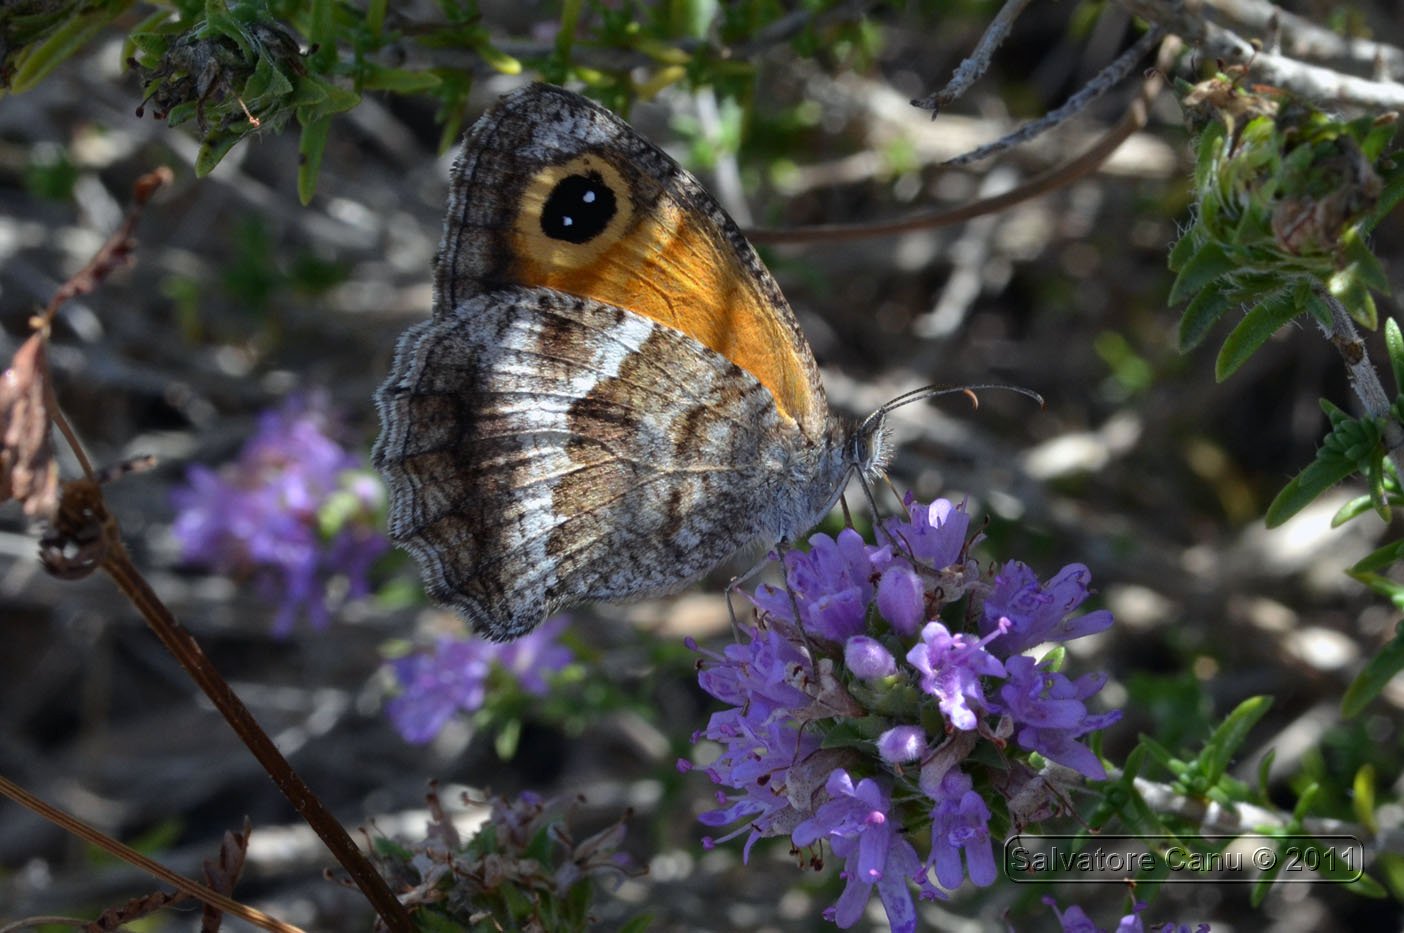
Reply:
x=578 y=209
x=869 y=448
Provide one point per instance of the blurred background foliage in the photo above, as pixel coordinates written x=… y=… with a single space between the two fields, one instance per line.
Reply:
x=290 y=255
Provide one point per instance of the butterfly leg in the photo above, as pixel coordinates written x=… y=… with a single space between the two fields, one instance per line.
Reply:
x=734 y=586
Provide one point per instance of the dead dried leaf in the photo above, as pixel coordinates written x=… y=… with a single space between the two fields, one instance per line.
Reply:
x=28 y=472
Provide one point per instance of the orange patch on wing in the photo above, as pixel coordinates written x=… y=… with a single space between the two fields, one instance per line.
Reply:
x=677 y=273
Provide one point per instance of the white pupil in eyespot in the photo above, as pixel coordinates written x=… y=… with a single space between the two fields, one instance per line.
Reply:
x=589 y=197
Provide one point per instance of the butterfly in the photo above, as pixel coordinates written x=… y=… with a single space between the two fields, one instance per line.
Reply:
x=612 y=396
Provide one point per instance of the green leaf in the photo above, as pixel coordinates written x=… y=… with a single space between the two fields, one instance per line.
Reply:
x=375 y=17
x=1202 y=314
x=1265 y=772
x=380 y=845
x=1379 y=558
x=321 y=35
x=218 y=23
x=310 y=92
x=1351 y=509
x=565 y=35
x=1366 y=886
x=1054 y=659
x=1352 y=293
x=329 y=99
x=498 y=60
x=1362 y=797
x=212 y=151
x=1319 y=476
x=1368 y=316
x=1304 y=805
x=1392 y=194
x=181 y=112
x=430 y=921
x=150 y=43
x=1387 y=662
x=1318 y=309
x=1374 y=476
x=1203 y=267
x=1334 y=412
x=340 y=99
x=1266 y=879
x=310 y=147
x=1377 y=138
x=38 y=60
x=1211 y=143
x=265 y=82
x=1386 y=587
x=1162 y=755
x=398 y=80
x=1254 y=330
x=1363 y=266
x=449 y=135
x=1230 y=735
x=507 y=740
x=519 y=904
x=1185 y=247
x=1394 y=345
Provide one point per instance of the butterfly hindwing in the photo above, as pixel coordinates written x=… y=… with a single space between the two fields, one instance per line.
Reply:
x=550 y=449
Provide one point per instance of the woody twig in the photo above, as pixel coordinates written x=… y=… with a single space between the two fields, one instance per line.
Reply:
x=84 y=536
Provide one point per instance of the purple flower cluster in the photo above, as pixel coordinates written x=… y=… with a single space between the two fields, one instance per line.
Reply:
x=454 y=677
x=296 y=512
x=855 y=705
x=857 y=823
x=1073 y=919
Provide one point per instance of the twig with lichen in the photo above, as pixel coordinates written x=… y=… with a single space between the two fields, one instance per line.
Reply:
x=1101 y=82
x=1320 y=84
x=1364 y=379
x=978 y=61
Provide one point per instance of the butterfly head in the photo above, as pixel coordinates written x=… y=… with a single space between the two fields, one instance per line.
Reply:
x=869 y=446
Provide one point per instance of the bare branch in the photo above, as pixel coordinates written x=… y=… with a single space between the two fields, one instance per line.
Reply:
x=976 y=64
x=1084 y=164
x=115 y=251
x=1310 y=81
x=132 y=857
x=1302 y=38
x=1215 y=818
x=1102 y=82
x=1363 y=378
x=179 y=642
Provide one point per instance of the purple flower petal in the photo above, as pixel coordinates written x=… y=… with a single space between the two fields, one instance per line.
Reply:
x=868 y=659
x=902 y=744
x=901 y=598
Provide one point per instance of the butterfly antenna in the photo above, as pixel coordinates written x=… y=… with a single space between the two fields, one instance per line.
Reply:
x=906 y=398
x=925 y=392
